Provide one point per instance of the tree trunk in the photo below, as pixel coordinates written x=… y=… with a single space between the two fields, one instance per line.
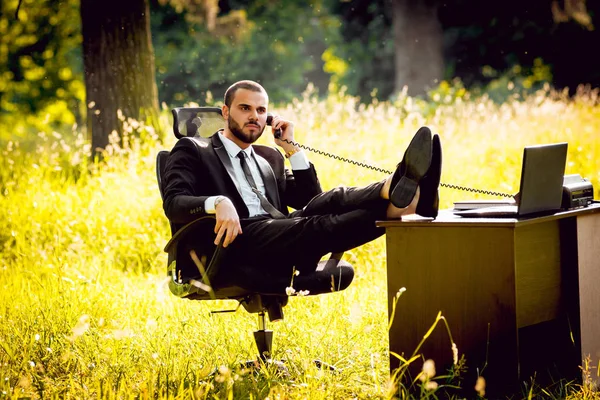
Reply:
x=119 y=65
x=418 y=43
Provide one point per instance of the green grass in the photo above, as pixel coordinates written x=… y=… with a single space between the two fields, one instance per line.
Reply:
x=85 y=311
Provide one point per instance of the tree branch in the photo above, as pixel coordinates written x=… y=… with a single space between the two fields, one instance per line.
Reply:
x=17 y=11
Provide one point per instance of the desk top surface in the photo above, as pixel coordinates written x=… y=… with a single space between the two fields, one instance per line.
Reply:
x=447 y=218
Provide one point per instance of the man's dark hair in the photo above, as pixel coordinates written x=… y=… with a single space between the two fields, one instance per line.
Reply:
x=248 y=85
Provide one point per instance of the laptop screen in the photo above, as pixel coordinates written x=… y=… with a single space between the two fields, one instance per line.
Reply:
x=542 y=178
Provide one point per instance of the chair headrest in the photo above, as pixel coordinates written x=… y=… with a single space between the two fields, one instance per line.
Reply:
x=196 y=121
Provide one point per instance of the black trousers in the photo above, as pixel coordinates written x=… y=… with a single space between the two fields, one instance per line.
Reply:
x=333 y=221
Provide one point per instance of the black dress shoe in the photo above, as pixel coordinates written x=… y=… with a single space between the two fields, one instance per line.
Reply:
x=412 y=168
x=429 y=198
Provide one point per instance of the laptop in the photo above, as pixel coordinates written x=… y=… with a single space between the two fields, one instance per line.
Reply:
x=541 y=184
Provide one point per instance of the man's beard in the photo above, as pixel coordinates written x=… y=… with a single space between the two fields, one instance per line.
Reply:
x=238 y=132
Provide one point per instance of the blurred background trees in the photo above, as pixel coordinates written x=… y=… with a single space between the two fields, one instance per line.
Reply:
x=118 y=60
x=199 y=47
x=40 y=61
x=279 y=44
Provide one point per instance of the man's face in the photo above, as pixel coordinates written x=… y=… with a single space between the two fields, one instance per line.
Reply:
x=247 y=116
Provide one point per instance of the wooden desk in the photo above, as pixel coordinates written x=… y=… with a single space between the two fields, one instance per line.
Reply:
x=499 y=283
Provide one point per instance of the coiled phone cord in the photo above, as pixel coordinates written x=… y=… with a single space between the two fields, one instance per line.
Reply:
x=385 y=171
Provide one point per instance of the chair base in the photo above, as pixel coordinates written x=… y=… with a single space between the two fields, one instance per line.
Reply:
x=263 y=338
x=264 y=343
x=325 y=366
x=281 y=369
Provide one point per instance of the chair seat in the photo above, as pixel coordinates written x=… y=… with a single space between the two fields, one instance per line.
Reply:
x=330 y=276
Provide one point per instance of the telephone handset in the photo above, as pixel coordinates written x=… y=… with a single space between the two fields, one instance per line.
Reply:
x=277 y=132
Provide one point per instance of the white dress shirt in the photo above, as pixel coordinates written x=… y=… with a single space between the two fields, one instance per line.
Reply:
x=298 y=161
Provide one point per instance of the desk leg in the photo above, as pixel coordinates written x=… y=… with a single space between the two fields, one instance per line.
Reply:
x=588 y=249
x=468 y=274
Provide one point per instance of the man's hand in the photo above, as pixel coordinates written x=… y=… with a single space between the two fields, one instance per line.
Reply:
x=287 y=133
x=228 y=222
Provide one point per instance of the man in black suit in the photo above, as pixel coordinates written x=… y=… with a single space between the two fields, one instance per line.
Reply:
x=248 y=190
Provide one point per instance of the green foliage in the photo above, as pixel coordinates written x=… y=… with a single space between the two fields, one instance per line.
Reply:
x=367 y=47
x=506 y=34
x=193 y=62
x=516 y=80
x=40 y=64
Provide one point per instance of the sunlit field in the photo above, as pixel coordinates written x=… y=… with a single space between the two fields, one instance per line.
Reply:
x=85 y=311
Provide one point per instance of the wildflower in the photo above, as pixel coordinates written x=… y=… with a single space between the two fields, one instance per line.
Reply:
x=75 y=159
x=31 y=364
x=428 y=370
x=37 y=337
x=151 y=324
x=24 y=383
x=66 y=279
x=122 y=333
x=431 y=385
x=200 y=285
x=290 y=291
x=303 y=292
x=200 y=392
x=455 y=353
x=223 y=370
x=83 y=324
x=480 y=386
x=224 y=374
x=66 y=356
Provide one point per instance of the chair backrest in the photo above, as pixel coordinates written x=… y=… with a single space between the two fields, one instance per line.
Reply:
x=204 y=122
x=196 y=121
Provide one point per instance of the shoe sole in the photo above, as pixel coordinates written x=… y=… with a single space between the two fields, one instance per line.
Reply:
x=417 y=160
x=433 y=175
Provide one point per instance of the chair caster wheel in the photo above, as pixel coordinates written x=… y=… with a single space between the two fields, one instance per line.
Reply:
x=278 y=366
x=325 y=366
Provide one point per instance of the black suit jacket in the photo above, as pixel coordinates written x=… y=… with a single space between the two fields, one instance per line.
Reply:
x=198 y=168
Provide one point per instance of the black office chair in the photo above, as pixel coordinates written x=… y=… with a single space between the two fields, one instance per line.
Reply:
x=257 y=293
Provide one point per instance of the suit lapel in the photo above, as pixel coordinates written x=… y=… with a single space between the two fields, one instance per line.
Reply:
x=269 y=180
x=225 y=160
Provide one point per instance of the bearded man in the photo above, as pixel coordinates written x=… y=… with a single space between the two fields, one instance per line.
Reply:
x=226 y=175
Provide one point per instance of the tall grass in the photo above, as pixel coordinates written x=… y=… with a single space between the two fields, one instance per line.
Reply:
x=85 y=312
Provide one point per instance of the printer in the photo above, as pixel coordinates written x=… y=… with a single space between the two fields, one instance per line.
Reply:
x=577 y=192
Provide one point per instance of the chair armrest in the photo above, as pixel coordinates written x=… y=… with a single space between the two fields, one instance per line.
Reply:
x=191 y=286
x=187 y=228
